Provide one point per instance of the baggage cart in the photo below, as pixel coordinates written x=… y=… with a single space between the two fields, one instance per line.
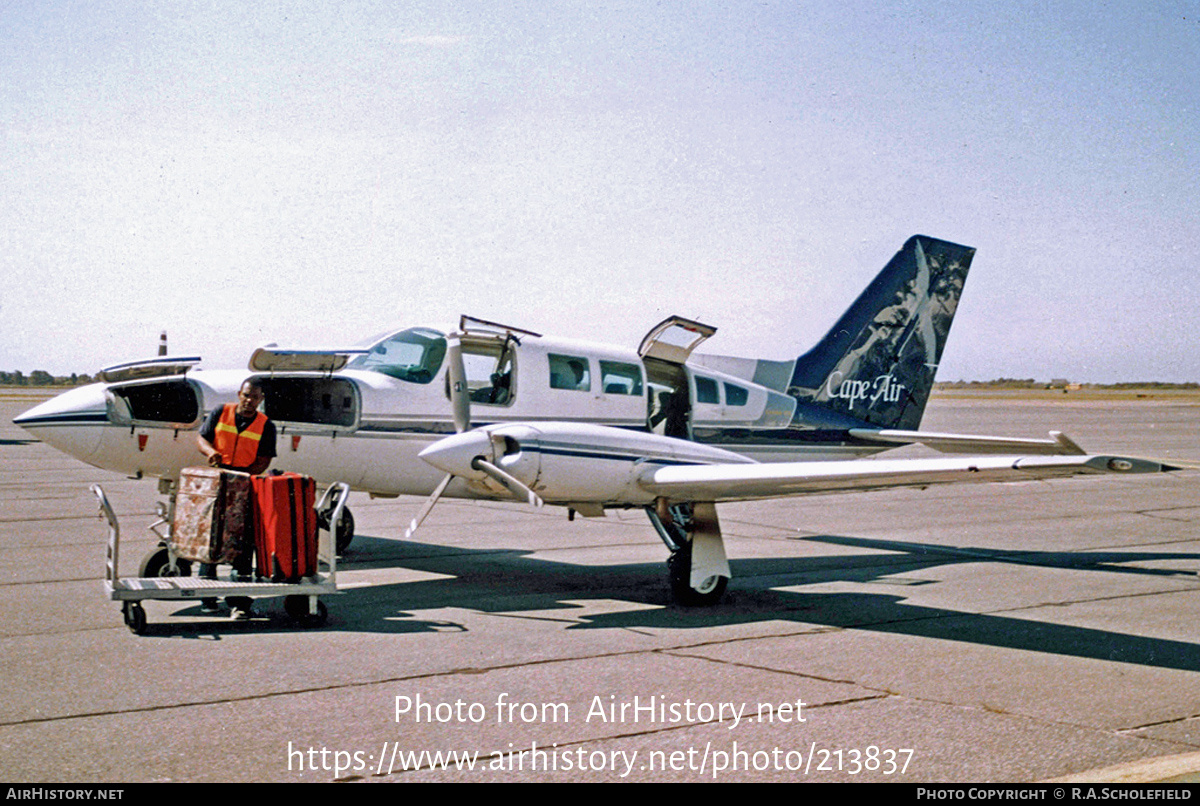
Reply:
x=301 y=600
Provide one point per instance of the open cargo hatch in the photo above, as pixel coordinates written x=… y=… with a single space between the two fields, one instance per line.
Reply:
x=159 y=367
x=157 y=402
x=273 y=358
x=311 y=402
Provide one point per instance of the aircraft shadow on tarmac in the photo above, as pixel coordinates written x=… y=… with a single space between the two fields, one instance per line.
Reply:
x=512 y=583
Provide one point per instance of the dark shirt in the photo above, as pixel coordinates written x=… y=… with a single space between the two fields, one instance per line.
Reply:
x=266 y=445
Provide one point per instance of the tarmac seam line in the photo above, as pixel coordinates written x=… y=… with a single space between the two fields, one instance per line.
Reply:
x=334 y=687
x=758 y=668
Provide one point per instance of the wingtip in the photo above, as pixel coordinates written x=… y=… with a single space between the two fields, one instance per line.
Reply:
x=1129 y=464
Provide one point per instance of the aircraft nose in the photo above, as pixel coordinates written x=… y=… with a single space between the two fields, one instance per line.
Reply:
x=71 y=422
x=453 y=454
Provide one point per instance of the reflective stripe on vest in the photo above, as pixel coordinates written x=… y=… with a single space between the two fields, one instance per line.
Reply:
x=238 y=449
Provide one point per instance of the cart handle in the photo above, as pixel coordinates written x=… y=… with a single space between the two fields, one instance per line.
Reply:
x=114 y=535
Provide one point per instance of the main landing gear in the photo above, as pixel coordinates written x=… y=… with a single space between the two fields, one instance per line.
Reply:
x=697 y=568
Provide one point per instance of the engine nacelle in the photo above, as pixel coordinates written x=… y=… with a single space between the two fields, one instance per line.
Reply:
x=570 y=462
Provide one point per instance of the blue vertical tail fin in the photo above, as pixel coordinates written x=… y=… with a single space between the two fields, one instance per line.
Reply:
x=878 y=363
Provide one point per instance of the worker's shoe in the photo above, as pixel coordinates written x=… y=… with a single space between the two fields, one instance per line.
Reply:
x=209 y=606
x=242 y=613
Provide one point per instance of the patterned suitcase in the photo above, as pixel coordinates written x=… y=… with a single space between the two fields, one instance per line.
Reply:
x=213 y=515
x=285 y=532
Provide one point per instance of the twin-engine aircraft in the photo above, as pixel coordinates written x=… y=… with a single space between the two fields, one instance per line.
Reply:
x=496 y=412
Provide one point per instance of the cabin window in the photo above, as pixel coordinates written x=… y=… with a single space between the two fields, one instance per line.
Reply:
x=414 y=355
x=736 y=395
x=570 y=372
x=706 y=390
x=619 y=378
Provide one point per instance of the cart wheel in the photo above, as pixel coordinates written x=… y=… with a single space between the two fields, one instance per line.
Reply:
x=319 y=618
x=135 y=617
x=297 y=609
x=158 y=564
x=295 y=606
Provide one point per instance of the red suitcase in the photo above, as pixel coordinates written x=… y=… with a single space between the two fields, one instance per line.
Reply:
x=285 y=526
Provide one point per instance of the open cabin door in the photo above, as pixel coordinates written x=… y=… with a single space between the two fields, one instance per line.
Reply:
x=489 y=360
x=664 y=351
x=673 y=339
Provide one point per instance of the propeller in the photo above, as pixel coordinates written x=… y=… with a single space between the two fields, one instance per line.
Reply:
x=460 y=398
x=428 y=505
x=465 y=453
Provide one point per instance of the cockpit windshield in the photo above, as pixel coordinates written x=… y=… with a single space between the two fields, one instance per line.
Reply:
x=413 y=355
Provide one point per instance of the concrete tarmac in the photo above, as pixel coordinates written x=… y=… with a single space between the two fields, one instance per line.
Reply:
x=992 y=633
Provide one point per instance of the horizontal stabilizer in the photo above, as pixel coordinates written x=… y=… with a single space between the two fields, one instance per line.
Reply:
x=1059 y=444
x=747 y=482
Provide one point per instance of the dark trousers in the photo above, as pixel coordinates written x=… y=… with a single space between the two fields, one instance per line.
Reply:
x=243 y=565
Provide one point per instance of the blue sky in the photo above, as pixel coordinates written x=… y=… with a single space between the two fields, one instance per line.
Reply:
x=311 y=173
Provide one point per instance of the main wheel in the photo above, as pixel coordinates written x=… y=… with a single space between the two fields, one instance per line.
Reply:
x=158 y=564
x=345 y=531
x=679 y=572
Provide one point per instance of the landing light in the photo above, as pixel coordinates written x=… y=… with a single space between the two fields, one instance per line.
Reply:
x=1120 y=464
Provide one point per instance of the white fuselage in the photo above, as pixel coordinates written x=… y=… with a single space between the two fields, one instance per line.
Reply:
x=365 y=425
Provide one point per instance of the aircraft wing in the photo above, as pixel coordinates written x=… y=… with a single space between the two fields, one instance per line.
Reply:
x=742 y=482
x=1058 y=443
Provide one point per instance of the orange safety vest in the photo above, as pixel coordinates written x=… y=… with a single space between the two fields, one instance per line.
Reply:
x=238 y=449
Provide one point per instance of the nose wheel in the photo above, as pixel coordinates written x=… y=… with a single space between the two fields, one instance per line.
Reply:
x=345 y=532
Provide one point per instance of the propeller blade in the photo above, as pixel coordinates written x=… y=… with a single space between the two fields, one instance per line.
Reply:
x=460 y=399
x=429 y=502
x=514 y=485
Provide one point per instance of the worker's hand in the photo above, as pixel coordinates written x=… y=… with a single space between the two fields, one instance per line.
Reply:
x=214 y=459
